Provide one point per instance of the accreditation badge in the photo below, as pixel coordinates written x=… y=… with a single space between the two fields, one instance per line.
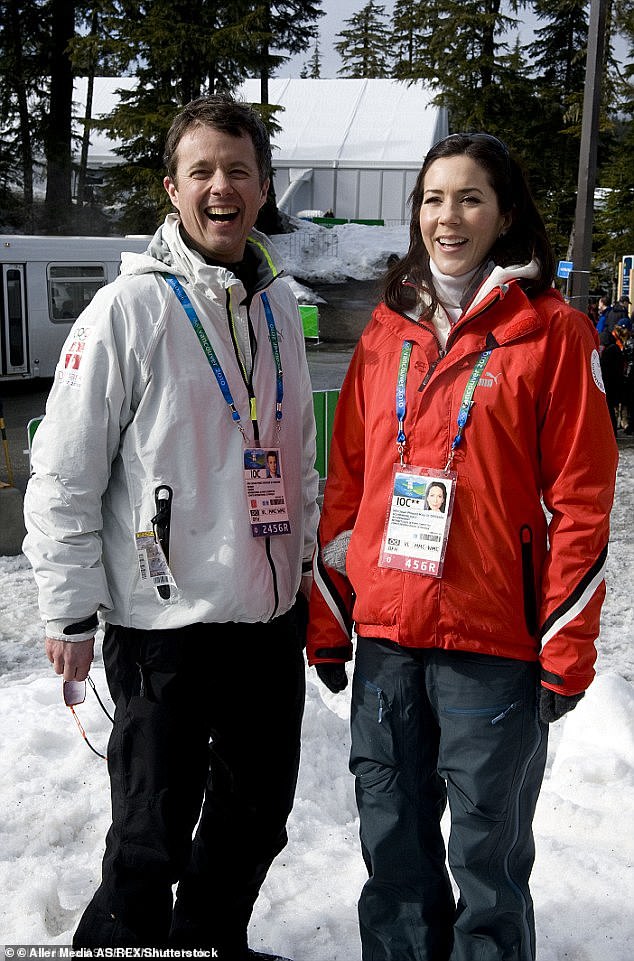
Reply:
x=263 y=476
x=154 y=571
x=418 y=520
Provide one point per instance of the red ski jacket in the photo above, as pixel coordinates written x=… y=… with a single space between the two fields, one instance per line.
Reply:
x=524 y=566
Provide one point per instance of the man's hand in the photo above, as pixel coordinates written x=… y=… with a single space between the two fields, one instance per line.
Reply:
x=71 y=658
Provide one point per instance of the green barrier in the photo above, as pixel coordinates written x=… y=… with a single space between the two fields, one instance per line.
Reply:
x=324 y=403
x=31 y=428
x=369 y=223
x=338 y=221
x=310 y=321
x=329 y=221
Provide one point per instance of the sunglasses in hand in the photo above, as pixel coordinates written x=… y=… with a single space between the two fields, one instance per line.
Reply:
x=74 y=693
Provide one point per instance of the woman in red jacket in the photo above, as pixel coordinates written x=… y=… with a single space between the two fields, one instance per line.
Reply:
x=476 y=626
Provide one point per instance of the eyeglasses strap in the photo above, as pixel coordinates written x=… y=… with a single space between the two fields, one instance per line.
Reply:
x=84 y=735
x=99 y=701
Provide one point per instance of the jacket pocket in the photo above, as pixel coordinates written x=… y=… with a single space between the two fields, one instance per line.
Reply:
x=528 y=579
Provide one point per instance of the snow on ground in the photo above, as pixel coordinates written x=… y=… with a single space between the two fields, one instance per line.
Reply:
x=55 y=799
x=332 y=254
x=55 y=796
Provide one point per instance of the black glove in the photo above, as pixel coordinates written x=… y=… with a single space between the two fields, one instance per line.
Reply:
x=333 y=676
x=552 y=706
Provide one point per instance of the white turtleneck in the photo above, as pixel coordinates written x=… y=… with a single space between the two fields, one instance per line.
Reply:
x=450 y=291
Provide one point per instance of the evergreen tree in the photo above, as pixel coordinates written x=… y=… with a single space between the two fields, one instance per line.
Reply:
x=614 y=219
x=22 y=36
x=187 y=48
x=407 y=36
x=558 y=56
x=366 y=46
x=184 y=49
x=526 y=96
x=58 y=128
x=95 y=52
x=455 y=46
x=312 y=69
x=178 y=50
x=288 y=27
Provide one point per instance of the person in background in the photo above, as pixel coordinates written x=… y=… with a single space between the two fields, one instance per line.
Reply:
x=616 y=316
x=627 y=397
x=475 y=369
x=137 y=510
x=613 y=370
x=603 y=306
x=593 y=312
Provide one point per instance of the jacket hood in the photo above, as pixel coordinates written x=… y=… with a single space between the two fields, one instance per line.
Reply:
x=499 y=277
x=168 y=253
x=490 y=285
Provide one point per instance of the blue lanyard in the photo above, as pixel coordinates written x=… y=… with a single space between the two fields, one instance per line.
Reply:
x=465 y=405
x=214 y=363
x=401 y=404
x=467 y=400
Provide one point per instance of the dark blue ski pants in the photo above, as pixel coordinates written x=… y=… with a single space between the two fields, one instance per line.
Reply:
x=431 y=726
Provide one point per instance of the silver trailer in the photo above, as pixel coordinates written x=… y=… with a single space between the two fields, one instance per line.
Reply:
x=45 y=283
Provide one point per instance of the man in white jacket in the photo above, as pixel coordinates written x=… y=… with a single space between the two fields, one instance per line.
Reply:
x=151 y=506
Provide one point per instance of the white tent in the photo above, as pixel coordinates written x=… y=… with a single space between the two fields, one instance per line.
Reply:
x=352 y=147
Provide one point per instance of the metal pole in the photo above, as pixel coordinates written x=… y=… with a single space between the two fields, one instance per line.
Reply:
x=584 y=214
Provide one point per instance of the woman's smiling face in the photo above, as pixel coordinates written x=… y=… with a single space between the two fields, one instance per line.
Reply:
x=460 y=218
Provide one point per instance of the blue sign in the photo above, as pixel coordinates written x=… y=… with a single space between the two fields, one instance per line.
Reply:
x=565 y=268
x=627 y=274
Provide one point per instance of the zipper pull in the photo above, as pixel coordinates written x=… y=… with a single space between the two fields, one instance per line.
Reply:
x=430 y=370
x=504 y=714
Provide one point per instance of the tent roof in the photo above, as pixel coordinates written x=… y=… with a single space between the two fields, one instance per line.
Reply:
x=353 y=123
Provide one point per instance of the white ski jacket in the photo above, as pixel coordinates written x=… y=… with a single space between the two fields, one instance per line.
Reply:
x=135 y=405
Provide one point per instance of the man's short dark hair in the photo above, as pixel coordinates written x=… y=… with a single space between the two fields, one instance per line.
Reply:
x=223 y=113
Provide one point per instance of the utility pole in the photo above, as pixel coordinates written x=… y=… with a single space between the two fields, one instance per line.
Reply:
x=584 y=214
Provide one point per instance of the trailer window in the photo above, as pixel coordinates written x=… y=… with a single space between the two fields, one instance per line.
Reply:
x=71 y=287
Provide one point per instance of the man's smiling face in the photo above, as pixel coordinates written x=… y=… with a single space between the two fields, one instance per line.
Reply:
x=217 y=191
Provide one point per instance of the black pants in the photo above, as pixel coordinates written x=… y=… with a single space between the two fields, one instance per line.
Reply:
x=207 y=729
x=427 y=727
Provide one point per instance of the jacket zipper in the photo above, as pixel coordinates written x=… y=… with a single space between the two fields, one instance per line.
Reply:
x=528 y=579
x=494 y=296
x=247 y=378
x=442 y=351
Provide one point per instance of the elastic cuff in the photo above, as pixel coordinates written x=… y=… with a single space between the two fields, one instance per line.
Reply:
x=550 y=680
x=330 y=655
x=73 y=632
